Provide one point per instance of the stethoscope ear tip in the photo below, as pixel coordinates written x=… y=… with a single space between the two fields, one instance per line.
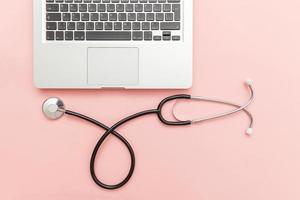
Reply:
x=249 y=82
x=53 y=108
x=249 y=131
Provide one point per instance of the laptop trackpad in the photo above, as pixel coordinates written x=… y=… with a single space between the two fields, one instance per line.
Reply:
x=113 y=66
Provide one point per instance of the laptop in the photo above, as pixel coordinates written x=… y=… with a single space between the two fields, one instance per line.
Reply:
x=132 y=44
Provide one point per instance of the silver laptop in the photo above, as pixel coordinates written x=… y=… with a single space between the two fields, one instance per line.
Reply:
x=138 y=44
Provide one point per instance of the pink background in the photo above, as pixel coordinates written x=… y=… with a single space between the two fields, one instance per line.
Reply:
x=233 y=40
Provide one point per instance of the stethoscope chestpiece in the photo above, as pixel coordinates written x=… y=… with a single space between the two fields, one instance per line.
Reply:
x=53 y=108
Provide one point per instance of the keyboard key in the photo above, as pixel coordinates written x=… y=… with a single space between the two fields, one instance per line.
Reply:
x=53 y=16
x=80 y=25
x=157 y=8
x=120 y=7
x=137 y=35
x=146 y=25
x=101 y=8
x=99 y=25
x=111 y=8
x=79 y=35
x=176 y=38
x=167 y=7
x=64 y=7
x=170 y=25
x=94 y=17
x=173 y=1
x=169 y=16
x=61 y=26
x=122 y=17
x=75 y=16
x=160 y=16
x=90 y=26
x=103 y=16
x=73 y=7
x=69 y=35
x=166 y=33
x=166 y=38
x=141 y=16
x=118 y=26
x=108 y=35
x=155 y=26
x=138 y=8
x=66 y=16
x=85 y=16
x=157 y=38
x=136 y=26
x=147 y=35
x=113 y=16
x=59 y=35
x=82 y=7
x=52 y=7
x=131 y=17
x=127 y=25
x=150 y=16
x=148 y=7
x=51 y=26
x=50 y=35
x=71 y=25
x=92 y=7
x=176 y=10
x=129 y=7
x=108 y=26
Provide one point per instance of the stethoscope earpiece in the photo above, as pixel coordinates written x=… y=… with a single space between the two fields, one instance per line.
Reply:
x=249 y=131
x=53 y=108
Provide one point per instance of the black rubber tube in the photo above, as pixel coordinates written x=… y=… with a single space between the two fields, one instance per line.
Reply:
x=102 y=139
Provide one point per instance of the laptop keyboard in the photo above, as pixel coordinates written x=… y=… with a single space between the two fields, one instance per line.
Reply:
x=113 y=20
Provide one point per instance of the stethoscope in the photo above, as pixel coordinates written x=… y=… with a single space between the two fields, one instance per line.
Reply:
x=54 y=108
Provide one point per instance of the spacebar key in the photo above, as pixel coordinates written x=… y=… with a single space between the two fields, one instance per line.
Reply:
x=108 y=35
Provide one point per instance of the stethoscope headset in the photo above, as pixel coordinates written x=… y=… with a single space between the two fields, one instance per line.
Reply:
x=54 y=108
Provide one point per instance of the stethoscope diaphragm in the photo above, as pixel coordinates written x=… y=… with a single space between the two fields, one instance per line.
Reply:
x=53 y=108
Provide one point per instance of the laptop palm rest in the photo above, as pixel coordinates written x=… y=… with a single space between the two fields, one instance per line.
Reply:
x=113 y=66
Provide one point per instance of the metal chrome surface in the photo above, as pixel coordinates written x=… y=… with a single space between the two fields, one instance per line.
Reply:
x=53 y=108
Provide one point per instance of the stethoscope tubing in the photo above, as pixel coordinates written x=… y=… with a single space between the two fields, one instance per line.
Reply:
x=111 y=130
x=238 y=108
x=159 y=112
x=101 y=140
